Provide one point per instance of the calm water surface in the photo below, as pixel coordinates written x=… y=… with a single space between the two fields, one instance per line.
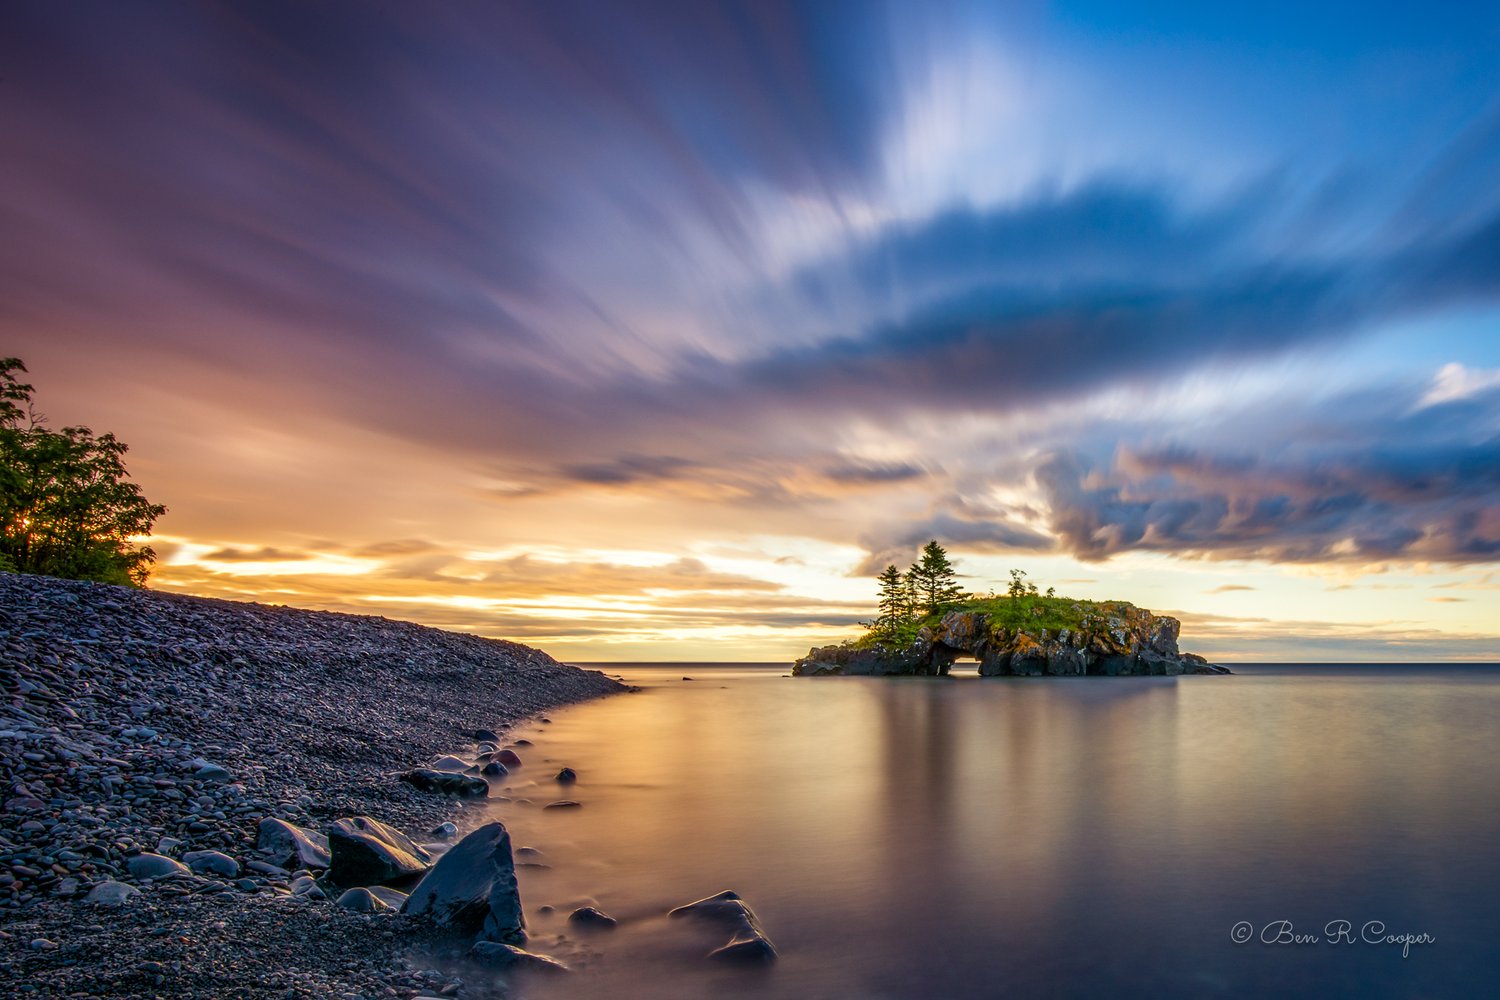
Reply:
x=967 y=837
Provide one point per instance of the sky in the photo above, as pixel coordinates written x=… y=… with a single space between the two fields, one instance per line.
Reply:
x=653 y=331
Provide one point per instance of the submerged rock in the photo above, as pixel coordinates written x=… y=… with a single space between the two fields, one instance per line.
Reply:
x=508 y=757
x=567 y=776
x=590 y=916
x=365 y=851
x=473 y=888
x=494 y=769
x=507 y=956
x=287 y=845
x=748 y=942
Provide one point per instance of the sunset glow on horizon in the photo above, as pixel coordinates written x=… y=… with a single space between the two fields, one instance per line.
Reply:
x=653 y=332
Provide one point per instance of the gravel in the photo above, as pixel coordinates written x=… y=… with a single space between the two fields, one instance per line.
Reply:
x=134 y=723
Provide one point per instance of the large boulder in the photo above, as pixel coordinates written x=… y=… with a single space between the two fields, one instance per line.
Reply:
x=364 y=851
x=473 y=888
x=289 y=846
x=748 y=942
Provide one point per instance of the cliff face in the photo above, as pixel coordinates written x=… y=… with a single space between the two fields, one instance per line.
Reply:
x=1125 y=641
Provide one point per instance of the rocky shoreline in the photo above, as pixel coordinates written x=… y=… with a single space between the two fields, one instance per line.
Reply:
x=137 y=724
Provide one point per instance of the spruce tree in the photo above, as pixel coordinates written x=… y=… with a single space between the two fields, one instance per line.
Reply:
x=895 y=619
x=933 y=580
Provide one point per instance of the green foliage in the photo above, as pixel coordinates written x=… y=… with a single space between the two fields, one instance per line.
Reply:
x=896 y=624
x=928 y=588
x=933 y=581
x=67 y=507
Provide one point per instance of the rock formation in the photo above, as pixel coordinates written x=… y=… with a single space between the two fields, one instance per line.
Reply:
x=1116 y=639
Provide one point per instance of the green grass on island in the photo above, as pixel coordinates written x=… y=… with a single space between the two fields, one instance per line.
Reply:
x=1031 y=615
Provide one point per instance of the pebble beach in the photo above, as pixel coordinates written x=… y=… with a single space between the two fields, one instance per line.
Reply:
x=137 y=724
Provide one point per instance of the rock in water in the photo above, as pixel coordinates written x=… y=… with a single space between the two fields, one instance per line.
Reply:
x=748 y=943
x=364 y=851
x=507 y=956
x=447 y=782
x=473 y=888
x=567 y=776
x=589 y=916
x=290 y=846
x=155 y=866
x=449 y=763
x=494 y=769
x=509 y=758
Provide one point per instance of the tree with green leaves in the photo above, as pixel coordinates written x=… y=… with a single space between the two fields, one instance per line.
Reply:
x=933 y=580
x=67 y=507
x=896 y=624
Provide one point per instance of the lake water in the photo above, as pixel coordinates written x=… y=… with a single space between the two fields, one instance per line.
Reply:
x=1060 y=837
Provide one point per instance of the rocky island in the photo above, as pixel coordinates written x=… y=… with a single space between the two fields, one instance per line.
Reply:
x=1039 y=636
x=926 y=622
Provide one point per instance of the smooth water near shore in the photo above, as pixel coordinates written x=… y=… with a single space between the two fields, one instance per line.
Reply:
x=968 y=837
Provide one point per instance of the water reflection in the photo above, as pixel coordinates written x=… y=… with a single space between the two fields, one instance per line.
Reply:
x=1066 y=837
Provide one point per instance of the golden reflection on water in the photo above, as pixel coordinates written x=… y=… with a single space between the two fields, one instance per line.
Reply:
x=929 y=837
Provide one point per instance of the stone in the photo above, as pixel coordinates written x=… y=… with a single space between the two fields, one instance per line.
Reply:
x=563 y=804
x=211 y=772
x=592 y=917
x=567 y=776
x=364 y=851
x=286 y=844
x=508 y=757
x=362 y=900
x=449 y=763
x=484 y=736
x=390 y=897
x=155 y=866
x=494 y=769
x=445 y=831
x=111 y=893
x=499 y=955
x=473 y=888
x=447 y=782
x=748 y=942
x=212 y=863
